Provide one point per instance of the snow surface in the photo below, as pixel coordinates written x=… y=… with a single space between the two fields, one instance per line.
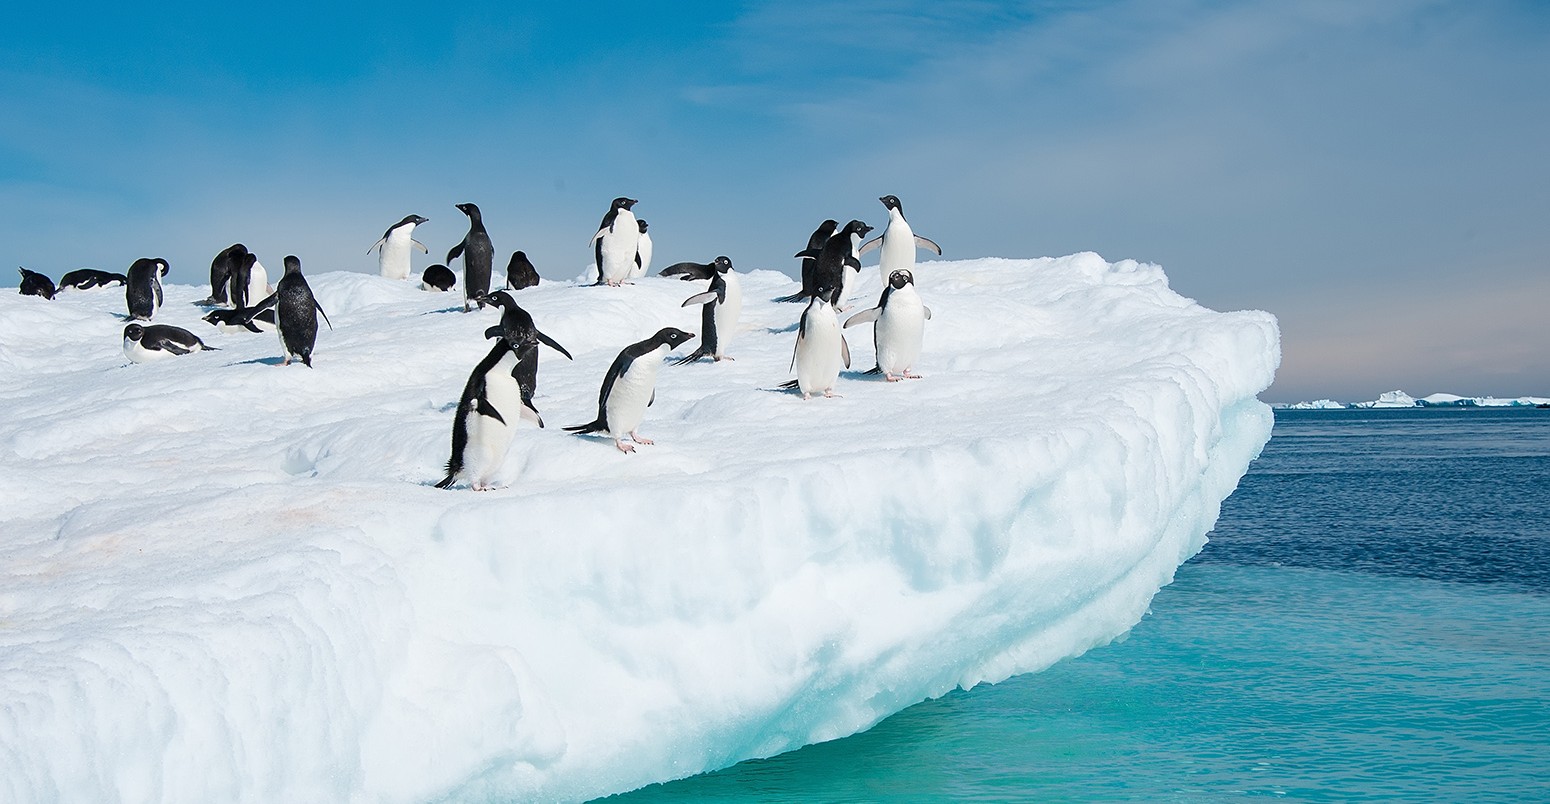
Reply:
x=225 y=580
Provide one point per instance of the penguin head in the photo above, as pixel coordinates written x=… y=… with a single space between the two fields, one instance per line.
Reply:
x=825 y=294
x=891 y=202
x=133 y=332
x=625 y=203
x=469 y=209
x=898 y=279
x=292 y=264
x=500 y=298
x=413 y=220
x=248 y=259
x=857 y=228
x=723 y=264
x=673 y=337
x=642 y=226
x=161 y=267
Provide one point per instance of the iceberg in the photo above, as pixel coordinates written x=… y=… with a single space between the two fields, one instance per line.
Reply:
x=1389 y=399
x=1317 y=404
x=228 y=580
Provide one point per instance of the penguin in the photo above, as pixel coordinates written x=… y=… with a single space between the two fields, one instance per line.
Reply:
x=142 y=293
x=837 y=262
x=814 y=244
x=220 y=272
x=438 y=277
x=258 y=279
x=238 y=320
x=296 y=312
x=478 y=258
x=630 y=386
x=642 y=253
x=898 y=241
x=616 y=244
x=247 y=280
x=144 y=343
x=520 y=272
x=821 y=349
x=36 y=284
x=900 y=322
x=88 y=278
x=396 y=245
x=515 y=323
x=488 y=411
x=722 y=305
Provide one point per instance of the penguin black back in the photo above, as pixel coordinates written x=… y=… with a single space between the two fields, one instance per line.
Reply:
x=88 y=278
x=296 y=313
x=142 y=293
x=36 y=284
x=517 y=328
x=220 y=272
x=520 y=272
x=478 y=257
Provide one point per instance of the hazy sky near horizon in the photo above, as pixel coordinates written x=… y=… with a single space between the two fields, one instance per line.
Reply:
x=1377 y=174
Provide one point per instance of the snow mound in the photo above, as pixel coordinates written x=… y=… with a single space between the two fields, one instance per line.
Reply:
x=227 y=580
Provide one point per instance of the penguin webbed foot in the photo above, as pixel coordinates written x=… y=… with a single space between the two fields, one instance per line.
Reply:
x=639 y=439
x=623 y=447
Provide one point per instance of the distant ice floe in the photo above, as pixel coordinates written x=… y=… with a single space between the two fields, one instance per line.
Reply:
x=226 y=580
x=1400 y=399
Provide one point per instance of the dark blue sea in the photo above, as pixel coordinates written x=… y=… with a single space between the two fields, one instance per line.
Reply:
x=1370 y=621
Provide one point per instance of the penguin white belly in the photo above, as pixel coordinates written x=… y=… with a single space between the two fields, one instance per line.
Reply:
x=139 y=354
x=728 y=312
x=631 y=393
x=490 y=438
x=393 y=258
x=619 y=248
x=898 y=252
x=258 y=283
x=818 y=357
x=643 y=248
x=900 y=331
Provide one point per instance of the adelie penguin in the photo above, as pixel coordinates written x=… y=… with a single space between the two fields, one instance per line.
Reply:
x=143 y=343
x=821 y=350
x=142 y=293
x=36 y=284
x=810 y=264
x=642 y=253
x=721 y=305
x=88 y=278
x=478 y=258
x=240 y=321
x=438 y=277
x=296 y=314
x=520 y=272
x=899 y=327
x=487 y=413
x=630 y=386
x=221 y=268
x=616 y=243
x=395 y=247
x=838 y=262
x=248 y=280
x=514 y=326
x=899 y=242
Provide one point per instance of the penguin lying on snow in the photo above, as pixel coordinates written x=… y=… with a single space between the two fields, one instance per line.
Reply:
x=36 y=284
x=488 y=411
x=899 y=329
x=157 y=341
x=438 y=277
x=520 y=272
x=630 y=386
x=821 y=349
x=722 y=305
x=88 y=278
x=240 y=321
x=515 y=325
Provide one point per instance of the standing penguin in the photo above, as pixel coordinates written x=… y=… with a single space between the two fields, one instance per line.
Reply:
x=810 y=264
x=837 y=261
x=821 y=349
x=220 y=272
x=723 y=304
x=487 y=413
x=514 y=326
x=642 y=253
x=296 y=314
x=157 y=341
x=438 y=277
x=478 y=258
x=36 y=284
x=520 y=272
x=899 y=242
x=630 y=386
x=899 y=329
x=247 y=281
x=616 y=243
x=395 y=247
x=142 y=293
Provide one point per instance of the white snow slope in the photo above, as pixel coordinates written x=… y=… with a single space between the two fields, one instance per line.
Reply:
x=224 y=580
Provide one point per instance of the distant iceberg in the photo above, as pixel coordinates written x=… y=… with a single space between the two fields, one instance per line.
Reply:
x=1400 y=399
x=226 y=580
x=1389 y=399
x=1317 y=404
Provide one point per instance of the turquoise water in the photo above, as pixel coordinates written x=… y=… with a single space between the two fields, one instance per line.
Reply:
x=1370 y=622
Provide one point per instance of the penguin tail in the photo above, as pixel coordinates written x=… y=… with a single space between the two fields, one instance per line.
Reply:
x=597 y=426
x=691 y=357
x=447 y=482
x=874 y=370
x=787 y=385
x=795 y=297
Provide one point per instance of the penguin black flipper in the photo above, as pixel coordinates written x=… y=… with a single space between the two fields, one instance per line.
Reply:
x=268 y=302
x=555 y=345
x=484 y=408
x=688 y=271
x=325 y=315
x=925 y=243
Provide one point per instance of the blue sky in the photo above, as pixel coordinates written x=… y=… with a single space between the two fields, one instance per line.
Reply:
x=1377 y=174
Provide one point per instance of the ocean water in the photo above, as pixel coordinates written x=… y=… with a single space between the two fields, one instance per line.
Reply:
x=1369 y=622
